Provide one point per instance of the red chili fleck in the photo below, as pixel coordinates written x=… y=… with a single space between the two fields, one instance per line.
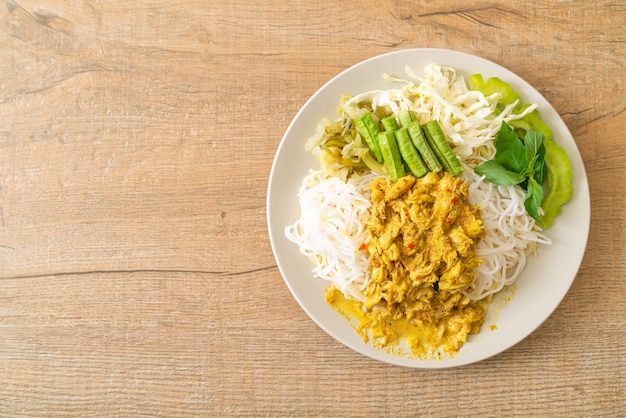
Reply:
x=362 y=247
x=411 y=245
x=453 y=201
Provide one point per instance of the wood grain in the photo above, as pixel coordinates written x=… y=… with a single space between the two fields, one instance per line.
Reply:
x=136 y=274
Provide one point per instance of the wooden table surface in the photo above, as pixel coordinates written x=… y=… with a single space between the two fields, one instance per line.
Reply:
x=136 y=273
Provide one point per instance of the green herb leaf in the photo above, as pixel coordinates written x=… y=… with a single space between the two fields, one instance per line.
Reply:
x=499 y=175
x=532 y=202
x=535 y=152
x=520 y=163
x=540 y=168
x=510 y=150
x=532 y=142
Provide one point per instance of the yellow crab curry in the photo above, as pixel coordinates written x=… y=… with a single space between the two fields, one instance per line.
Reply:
x=422 y=239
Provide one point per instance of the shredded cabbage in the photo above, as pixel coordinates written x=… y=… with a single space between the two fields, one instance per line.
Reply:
x=466 y=116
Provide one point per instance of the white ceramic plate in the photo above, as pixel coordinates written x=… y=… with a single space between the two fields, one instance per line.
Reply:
x=545 y=279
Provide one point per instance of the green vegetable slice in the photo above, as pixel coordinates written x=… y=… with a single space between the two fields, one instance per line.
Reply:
x=427 y=154
x=406 y=117
x=409 y=153
x=391 y=155
x=558 y=178
x=531 y=120
x=389 y=123
x=494 y=85
x=439 y=144
x=368 y=128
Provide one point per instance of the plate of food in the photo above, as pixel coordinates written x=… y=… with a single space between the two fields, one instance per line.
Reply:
x=428 y=208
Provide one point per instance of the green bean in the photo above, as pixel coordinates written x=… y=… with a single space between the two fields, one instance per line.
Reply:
x=406 y=117
x=437 y=140
x=391 y=155
x=368 y=128
x=389 y=123
x=409 y=154
x=417 y=137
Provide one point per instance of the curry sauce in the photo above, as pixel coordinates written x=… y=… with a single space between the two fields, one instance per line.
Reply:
x=422 y=239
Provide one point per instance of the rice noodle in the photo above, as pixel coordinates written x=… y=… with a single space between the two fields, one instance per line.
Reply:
x=331 y=229
x=511 y=235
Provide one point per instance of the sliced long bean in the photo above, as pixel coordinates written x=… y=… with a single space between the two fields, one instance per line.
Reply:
x=437 y=140
x=389 y=123
x=368 y=128
x=419 y=141
x=391 y=154
x=409 y=154
x=406 y=117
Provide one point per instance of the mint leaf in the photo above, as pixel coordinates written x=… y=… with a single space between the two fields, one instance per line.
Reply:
x=497 y=174
x=532 y=202
x=510 y=150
